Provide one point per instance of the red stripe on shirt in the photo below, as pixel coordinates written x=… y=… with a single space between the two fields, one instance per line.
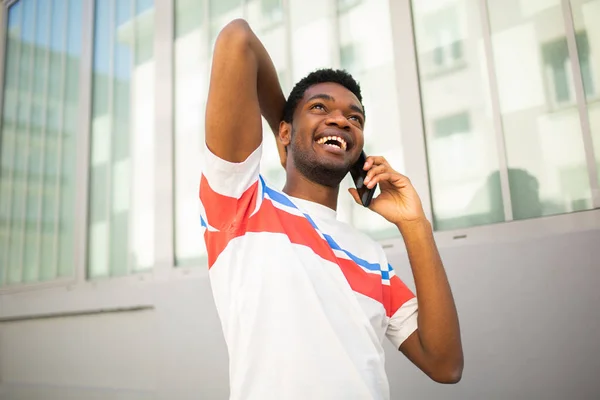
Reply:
x=303 y=233
x=225 y=212
x=232 y=217
x=361 y=281
x=395 y=295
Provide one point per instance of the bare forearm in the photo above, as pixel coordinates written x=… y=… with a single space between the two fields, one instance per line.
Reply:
x=270 y=95
x=439 y=331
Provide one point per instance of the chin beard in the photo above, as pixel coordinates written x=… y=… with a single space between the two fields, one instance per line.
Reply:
x=323 y=174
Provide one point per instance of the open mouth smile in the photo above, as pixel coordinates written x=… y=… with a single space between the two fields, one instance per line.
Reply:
x=333 y=141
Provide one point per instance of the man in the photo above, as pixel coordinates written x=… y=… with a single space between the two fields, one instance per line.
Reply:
x=305 y=300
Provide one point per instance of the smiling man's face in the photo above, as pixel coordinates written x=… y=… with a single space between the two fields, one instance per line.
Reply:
x=327 y=133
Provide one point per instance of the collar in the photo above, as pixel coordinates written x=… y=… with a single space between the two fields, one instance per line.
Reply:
x=315 y=209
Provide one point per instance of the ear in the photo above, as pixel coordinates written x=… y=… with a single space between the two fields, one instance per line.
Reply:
x=283 y=141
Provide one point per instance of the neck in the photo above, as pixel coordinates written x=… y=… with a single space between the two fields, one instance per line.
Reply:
x=297 y=185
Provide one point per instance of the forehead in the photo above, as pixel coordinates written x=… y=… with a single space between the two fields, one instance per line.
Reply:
x=335 y=90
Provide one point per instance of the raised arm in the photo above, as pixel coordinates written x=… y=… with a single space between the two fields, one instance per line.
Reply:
x=243 y=84
x=435 y=347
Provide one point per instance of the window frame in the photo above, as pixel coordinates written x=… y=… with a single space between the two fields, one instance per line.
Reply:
x=136 y=289
x=80 y=201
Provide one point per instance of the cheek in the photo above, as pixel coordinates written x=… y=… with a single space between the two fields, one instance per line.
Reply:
x=360 y=138
x=303 y=134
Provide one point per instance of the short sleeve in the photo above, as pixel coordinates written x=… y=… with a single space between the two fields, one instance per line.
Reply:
x=229 y=194
x=226 y=187
x=402 y=309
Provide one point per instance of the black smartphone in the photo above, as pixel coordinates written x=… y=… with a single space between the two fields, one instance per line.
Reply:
x=358 y=176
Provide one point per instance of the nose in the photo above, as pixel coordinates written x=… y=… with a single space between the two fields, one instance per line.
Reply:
x=337 y=118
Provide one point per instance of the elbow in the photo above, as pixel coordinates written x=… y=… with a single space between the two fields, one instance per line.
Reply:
x=449 y=377
x=235 y=33
x=448 y=372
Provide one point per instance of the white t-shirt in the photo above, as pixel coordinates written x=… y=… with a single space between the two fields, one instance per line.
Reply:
x=304 y=299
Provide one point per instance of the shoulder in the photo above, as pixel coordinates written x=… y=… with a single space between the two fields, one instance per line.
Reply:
x=358 y=234
x=211 y=161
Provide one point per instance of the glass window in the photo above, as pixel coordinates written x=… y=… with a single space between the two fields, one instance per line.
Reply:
x=308 y=19
x=459 y=131
x=37 y=181
x=194 y=42
x=366 y=51
x=266 y=19
x=265 y=12
x=345 y=5
x=585 y=19
x=442 y=31
x=192 y=56
x=222 y=12
x=557 y=65
x=311 y=30
x=121 y=231
x=542 y=130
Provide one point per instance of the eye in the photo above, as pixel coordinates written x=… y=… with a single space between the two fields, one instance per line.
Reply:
x=317 y=106
x=356 y=119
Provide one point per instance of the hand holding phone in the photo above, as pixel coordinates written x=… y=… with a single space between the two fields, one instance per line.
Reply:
x=358 y=176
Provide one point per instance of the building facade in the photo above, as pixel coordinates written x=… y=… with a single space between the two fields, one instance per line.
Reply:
x=491 y=107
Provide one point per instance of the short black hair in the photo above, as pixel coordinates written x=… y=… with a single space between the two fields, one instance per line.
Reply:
x=324 y=75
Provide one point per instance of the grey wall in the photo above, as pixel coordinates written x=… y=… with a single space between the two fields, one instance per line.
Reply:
x=529 y=313
x=530 y=320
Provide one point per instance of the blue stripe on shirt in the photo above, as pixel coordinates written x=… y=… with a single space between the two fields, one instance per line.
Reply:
x=282 y=199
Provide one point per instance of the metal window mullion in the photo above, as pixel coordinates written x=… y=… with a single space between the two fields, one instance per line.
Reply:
x=10 y=185
x=410 y=101
x=496 y=111
x=586 y=130
x=3 y=47
x=132 y=132
x=80 y=228
x=61 y=138
x=22 y=248
x=109 y=137
x=164 y=43
x=44 y=118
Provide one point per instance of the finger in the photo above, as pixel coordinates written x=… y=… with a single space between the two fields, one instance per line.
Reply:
x=382 y=177
x=390 y=177
x=398 y=179
x=354 y=193
x=377 y=169
x=375 y=160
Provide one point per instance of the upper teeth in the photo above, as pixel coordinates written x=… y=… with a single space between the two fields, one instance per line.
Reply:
x=336 y=138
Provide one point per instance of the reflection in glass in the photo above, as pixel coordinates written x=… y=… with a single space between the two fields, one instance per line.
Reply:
x=542 y=130
x=37 y=181
x=121 y=231
x=461 y=146
x=585 y=19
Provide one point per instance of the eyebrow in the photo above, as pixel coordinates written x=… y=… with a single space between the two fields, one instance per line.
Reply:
x=327 y=97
